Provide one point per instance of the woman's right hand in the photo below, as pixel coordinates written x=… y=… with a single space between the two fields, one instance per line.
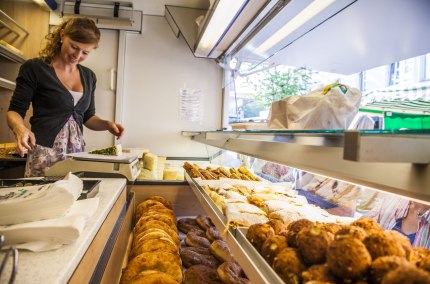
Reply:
x=25 y=139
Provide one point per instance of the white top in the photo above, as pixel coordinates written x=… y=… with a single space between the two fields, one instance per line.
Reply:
x=76 y=96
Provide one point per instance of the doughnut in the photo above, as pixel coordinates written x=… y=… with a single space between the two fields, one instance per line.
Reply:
x=154 y=224
x=143 y=206
x=194 y=255
x=170 y=232
x=204 y=222
x=197 y=239
x=221 y=251
x=212 y=234
x=149 y=245
x=186 y=224
x=231 y=273
x=153 y=235
x=152 y=277
x=160 y=218
x=201 y=274
x=162 y=261
x=161 y=200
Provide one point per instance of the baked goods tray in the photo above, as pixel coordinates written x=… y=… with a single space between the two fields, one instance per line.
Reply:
x=255 y=267
x=90 y=187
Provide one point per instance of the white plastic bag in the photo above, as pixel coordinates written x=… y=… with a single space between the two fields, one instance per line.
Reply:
x=330 y=107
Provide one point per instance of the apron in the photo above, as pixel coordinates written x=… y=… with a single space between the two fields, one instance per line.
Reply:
x=68 y=140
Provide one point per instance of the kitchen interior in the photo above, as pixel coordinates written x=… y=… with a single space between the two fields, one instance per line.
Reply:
x=152 y=57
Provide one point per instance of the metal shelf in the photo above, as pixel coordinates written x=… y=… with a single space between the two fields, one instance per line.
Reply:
x=4 y=83
x=255 y=267
x=10 y=55
x=323 y=153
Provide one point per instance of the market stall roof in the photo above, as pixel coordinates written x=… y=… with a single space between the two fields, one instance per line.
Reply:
x=413 y=99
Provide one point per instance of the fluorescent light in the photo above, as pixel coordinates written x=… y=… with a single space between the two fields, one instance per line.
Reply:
x=300 y=19
x=222 y=17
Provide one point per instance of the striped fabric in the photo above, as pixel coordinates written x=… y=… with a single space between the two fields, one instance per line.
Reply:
x=411 y=99
x=393 y=208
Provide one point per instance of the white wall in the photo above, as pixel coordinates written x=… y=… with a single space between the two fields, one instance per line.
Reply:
x=157 y=65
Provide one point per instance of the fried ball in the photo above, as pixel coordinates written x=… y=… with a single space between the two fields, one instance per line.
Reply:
x=312 y=243
x=289 y=265
x=162 y=261
x=272 y=246
x=201 y=274
x=406 y=274
x=278 y=226
x=424 y=263
x=153 y=277
x=353 y=231
x=332 y=228
x=294 y=228
x=384 y=264
x=162 y=200
x=418 y=253
x=319 y=273
x=347 y=257
x=402 y=240
x=369 y=225
x=382 y=244
x=231 y=273
x=258 y=233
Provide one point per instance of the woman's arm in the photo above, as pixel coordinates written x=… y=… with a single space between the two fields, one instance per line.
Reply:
x=98 y=124
x=25 y=139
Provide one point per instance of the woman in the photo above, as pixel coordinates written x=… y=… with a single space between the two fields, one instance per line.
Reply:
x=61 y=92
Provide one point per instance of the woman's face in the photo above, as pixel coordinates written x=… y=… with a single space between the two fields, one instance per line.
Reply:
x=73 y=52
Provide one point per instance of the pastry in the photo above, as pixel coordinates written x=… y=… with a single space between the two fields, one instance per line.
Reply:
x=161 y=199
x=201 y=274
x=162 y=261
x=161 y=231
x=347 y=257
x=221 y=251
x=196 y=255
x=384 y=264
x=272 y=246
x=320 y=273
x=152 y=277
x=294 y=228
x=289 y=265
x=204 y=222
x=212 y=234
x=406 y=274
x=231 y=273
x=187 y=224
x=312 y=243
x=258 y=233
x=149 y=245
x=382 y=244
x=197 y=239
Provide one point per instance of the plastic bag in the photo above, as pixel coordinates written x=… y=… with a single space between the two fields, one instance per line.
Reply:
x=330 y=107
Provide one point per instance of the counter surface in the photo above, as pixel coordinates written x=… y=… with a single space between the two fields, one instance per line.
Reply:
x=57 y=266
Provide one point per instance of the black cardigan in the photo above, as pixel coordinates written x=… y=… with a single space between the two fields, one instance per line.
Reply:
x=37 y=83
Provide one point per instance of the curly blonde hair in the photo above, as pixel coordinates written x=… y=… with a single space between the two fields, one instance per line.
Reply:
x=83 y=30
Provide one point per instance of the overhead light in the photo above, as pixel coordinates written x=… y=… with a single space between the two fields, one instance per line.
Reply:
x=226 y=12
x=300 y=19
